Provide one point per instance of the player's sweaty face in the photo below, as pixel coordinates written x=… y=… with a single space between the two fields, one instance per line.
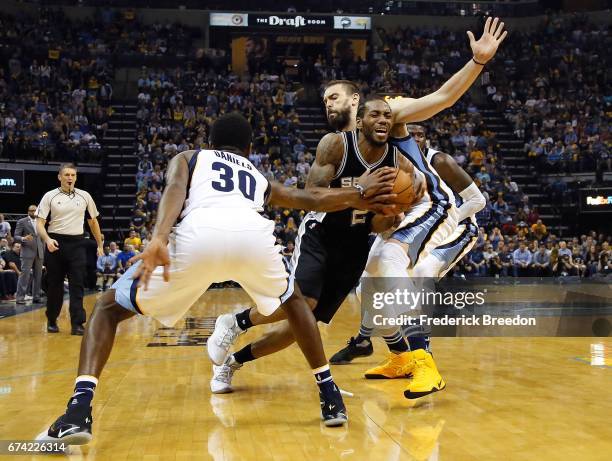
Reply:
x=419 y=136
x=376 y=122
x=337 y=106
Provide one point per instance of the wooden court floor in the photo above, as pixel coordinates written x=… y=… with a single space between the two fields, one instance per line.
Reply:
x=506 y=398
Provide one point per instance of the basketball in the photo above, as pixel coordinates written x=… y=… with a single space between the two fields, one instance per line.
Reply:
x=404 y=188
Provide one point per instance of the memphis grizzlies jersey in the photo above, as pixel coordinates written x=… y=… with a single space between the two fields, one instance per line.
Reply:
x=352 y=223
x=458 y=201
x=219 y=179
x=437 y=190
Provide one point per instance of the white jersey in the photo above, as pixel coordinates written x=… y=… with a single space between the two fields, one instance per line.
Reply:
x=442 y=185
x=219 y=179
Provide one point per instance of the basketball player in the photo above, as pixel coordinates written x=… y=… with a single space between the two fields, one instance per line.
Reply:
x=221 y=236
x=462 y=240
x=435 y=264
x=341 y=99
x=331 y=249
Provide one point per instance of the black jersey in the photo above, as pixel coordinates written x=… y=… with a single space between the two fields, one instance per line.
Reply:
x=331 y=249
x=351 y=223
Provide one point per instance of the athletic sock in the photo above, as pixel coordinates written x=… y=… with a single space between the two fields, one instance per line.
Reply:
x=324 y=380
x=243 y=320
x=396 y=343
x=84 y=389
x=244 y=355
x=418 y=342
x=364 y=335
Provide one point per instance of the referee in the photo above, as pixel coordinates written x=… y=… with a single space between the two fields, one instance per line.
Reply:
x=65 y=209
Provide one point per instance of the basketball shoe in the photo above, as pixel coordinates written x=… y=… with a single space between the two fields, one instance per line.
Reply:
x=426 y=378
x=396 y=366
x=72 y=428
x=352 y=351
x=225 y=333
x=333 y=411
x=221 y=382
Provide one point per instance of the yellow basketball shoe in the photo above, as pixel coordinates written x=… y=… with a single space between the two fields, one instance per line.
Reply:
x=396 y=366
x=425 y=377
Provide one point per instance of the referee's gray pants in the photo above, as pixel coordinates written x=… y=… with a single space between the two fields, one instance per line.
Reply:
x=69 y=260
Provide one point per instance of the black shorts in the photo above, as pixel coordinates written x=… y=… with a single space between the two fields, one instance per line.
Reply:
x=327 y=268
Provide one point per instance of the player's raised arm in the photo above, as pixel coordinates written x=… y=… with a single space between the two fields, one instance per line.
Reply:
x=376 y=186
x=415 y=110
x=461 y=183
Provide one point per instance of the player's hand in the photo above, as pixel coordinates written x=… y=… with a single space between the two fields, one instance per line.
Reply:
x=52 y=245
x=485 y=48
x=381 y=204
x=100 y=251
x=378 y=181
x=156 y=254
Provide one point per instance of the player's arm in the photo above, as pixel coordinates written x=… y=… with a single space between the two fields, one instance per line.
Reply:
x=335 y=199
x=174 y=195
x=461 y=183
x=170 y=206
x=330 y=151
x=415 y=110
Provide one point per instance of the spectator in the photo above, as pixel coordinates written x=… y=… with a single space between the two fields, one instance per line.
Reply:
x=496 y=268
x=564 y=266
x=478 y=262
x=8 y=282
x=124 y=257
x=539 y=230
x=564 y=250
x=113 y=249
x=522 y=260
x=5 y=229
x=133 y=240
x=12 y=259
x=604 y=267
x=541 y=262
x=488 y=253
x=495 y=237
x=107 y=269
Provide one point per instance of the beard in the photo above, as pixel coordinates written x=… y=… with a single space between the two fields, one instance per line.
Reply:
x=341 y=120
x=369 y=135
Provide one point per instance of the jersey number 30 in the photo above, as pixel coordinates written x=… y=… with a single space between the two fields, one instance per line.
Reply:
x=246 y=181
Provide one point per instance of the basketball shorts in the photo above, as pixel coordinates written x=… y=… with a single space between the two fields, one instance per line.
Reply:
x=457 y=245
x=211 y=246
x=326 y=268
x=425 y=226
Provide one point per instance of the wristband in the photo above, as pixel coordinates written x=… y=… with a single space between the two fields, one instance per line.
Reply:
x=479 y=63
x=361 y=190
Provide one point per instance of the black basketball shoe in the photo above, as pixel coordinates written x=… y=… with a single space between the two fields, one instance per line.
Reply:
x=72 y=428
x=333 y=411
x=352 y=351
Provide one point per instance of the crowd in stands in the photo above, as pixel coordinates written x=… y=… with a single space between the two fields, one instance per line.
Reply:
x=54 y=102
x=56 y=78
x=175 y=114
x=69 y=88
x=535 y=253
x=551 y=84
